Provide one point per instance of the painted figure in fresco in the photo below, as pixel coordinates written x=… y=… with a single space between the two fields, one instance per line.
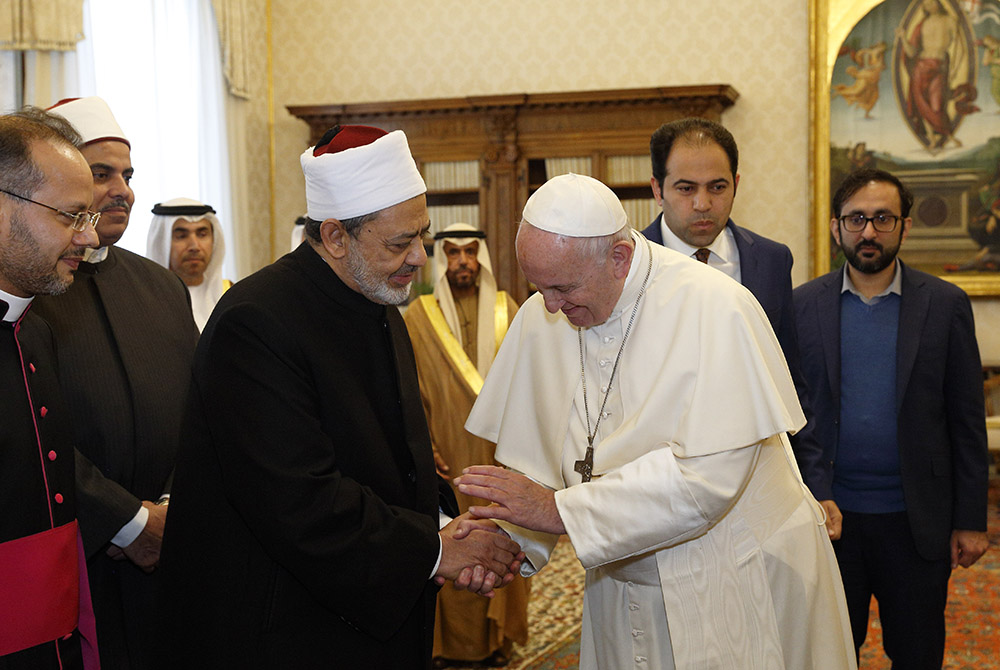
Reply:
x=860 y=156
x=991 y=59
x=931 y=46
x=984 y=228
x=864 y=91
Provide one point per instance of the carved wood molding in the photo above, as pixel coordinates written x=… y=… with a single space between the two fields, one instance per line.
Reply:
x=538 y=123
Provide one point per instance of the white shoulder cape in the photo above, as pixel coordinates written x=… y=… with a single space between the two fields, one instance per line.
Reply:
x=702 y=373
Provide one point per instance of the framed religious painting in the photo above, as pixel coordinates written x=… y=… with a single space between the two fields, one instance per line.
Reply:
x=913 y=87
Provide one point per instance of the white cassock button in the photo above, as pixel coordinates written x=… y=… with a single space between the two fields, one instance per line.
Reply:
x=604 y=389
x=609 y=339
x=604 y=362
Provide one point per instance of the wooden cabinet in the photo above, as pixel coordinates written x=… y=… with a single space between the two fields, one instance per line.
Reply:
x=511 y=136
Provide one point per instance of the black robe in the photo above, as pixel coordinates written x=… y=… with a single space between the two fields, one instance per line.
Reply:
x=303 y=522
x=125 y=339
x=36 y=470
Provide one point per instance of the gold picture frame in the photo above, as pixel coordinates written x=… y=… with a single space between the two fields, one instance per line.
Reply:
x=831 y=22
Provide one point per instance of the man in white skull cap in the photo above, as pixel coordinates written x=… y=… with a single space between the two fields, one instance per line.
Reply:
x=455 y=335
x=650 y=418
x=305 y=528
x=186 y=237
x=126 y=341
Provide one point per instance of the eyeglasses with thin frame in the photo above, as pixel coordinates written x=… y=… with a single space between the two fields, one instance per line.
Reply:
x=80 y=220
x=883 y=223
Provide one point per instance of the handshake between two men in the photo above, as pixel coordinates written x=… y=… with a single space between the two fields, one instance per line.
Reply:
x=476 y=553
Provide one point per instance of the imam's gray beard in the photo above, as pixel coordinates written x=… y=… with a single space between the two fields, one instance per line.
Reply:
x=374 y=286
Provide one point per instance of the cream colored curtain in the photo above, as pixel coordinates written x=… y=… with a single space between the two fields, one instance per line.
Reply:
x=231 y=15
x=558 y=166
x=41 y=25
x=628 y=170
x=452 y=176
x=49 y=76
x=250 y=253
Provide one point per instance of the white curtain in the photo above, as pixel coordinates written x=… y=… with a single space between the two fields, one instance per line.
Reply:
x=10 y=81
x=157 y=63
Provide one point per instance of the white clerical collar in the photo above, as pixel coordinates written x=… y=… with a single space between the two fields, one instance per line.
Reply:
x=895 y=286
x=634 y=278
x=96 y=255
x=16 y=306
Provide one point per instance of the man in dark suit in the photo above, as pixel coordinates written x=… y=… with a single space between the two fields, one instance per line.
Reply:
x=126 y=339
x=304 y=530
x=694 y=181
x=895 y=381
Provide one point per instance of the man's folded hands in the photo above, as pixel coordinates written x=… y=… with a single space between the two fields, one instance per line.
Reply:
x=477 y=555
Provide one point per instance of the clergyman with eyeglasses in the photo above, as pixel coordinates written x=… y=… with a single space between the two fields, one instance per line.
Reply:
x=45 y=228
x=895 y=381
x=126 y=339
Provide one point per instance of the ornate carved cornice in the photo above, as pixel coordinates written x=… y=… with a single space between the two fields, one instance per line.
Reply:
x=466 y=125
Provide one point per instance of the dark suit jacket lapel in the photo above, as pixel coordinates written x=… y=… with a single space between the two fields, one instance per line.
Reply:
x=913 y=305
x=750 y=275
x=652 y=231
x=828 y=315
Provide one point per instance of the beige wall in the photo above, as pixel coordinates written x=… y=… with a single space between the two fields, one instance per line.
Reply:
x=327 y=51
x=367 y=50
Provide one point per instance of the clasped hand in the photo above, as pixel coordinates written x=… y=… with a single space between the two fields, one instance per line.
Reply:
x=477 y=555
x=516 y=498
x=145 y=549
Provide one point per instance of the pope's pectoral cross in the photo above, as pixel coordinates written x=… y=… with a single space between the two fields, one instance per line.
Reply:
x=586 y=466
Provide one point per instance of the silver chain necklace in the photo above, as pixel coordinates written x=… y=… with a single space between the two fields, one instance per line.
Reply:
x=586 y=466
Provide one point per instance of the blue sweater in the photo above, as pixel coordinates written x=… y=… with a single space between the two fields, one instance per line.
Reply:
x=866 y=471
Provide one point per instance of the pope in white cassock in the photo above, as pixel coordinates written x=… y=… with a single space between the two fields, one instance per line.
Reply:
x=650 y=418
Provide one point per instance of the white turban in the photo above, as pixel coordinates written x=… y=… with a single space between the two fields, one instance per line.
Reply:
x=486 y=346
x=357 y=171
x=576 y=206
x=92 y=118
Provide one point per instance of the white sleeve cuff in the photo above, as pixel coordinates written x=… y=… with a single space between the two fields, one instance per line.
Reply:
x=437 y=563
x=443 y=520
x=132 y=529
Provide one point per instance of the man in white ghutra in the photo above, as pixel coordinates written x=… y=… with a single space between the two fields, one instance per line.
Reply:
x=650 y=418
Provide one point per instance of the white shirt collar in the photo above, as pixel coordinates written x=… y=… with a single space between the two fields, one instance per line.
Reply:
x=895 y=286
x=725 y=254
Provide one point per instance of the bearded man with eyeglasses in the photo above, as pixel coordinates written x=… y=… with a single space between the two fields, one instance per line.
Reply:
x=126 y=339
x=45 y=228
x=895 y=381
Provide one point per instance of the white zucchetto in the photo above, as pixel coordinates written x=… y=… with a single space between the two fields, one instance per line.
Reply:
x=575 y=206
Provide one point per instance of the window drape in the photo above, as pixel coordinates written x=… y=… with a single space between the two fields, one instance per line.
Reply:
x=232 y=19
x=41 y=25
